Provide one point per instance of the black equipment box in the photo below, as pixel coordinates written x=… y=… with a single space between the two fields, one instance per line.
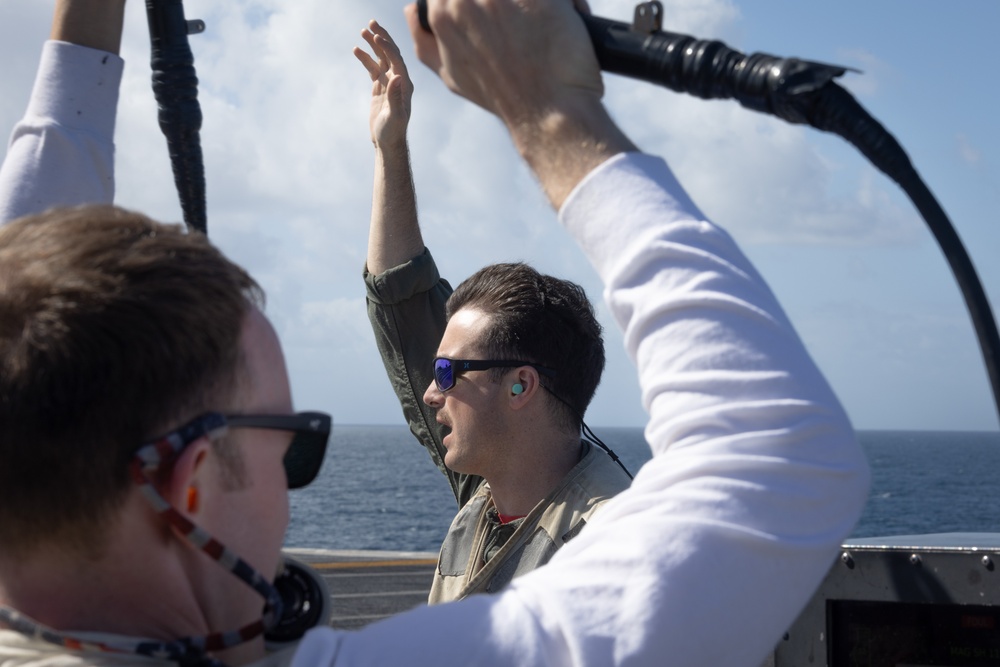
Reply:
x=903 y=601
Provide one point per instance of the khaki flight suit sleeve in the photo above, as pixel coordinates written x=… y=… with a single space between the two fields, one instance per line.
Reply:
x=406 y=308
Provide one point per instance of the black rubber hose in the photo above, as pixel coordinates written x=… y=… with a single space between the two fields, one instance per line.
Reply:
x=797 y=91
x=175 y=86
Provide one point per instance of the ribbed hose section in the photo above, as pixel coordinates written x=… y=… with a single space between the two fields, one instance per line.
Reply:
x=803 y=92
x=175 y=86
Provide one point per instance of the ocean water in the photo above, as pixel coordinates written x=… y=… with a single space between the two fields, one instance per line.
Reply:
x=379 y=490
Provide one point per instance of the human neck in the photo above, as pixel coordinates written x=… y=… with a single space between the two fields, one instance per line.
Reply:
x=144 y=583
x=536 y=467
x=112 y=593
x=55 y=598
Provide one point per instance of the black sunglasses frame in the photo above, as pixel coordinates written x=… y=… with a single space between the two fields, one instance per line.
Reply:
x=305 y=454
x=459 y=366
x=302 y=460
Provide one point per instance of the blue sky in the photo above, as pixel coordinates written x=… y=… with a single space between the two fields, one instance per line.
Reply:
x=289 y=175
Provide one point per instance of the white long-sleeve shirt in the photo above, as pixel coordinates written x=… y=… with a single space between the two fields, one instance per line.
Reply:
x=62 y=151
x=723 y=536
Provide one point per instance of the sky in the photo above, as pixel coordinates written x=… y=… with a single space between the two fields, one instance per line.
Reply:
x=289 y=167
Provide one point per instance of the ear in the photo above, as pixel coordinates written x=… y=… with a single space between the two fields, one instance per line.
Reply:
x=184 y=489
x=522 y=387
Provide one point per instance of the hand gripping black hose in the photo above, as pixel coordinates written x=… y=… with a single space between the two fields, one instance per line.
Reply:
x=175 y=86
x=798 y=91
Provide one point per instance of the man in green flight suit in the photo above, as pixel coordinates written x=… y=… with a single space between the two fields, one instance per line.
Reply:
x=493 y=378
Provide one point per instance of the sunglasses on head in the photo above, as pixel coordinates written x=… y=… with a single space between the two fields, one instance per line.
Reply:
x=446 y=371
x=302 y=461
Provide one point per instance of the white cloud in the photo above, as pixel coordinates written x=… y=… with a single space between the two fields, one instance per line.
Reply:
x=763 y=179
x=969 y=153
x=868 y=81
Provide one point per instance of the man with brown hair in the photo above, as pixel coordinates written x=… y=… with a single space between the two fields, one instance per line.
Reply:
x=145 y=411
x=90 y=368
x=493 y=379
x=145 y=414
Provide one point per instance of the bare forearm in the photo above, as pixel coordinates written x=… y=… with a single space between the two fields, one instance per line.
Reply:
x=564 y=145
x=394 y=236
x=93 y=23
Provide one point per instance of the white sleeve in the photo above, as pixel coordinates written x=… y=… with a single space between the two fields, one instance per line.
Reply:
x=62 y=151
x=723 y=536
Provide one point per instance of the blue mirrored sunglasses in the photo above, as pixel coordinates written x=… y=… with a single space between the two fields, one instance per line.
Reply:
x=446 y=371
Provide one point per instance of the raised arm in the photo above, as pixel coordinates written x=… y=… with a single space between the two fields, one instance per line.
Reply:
x=62 y=151
x=405 y=294
x=394 y=234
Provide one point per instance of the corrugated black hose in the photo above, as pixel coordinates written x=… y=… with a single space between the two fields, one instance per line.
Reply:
x=175 y=86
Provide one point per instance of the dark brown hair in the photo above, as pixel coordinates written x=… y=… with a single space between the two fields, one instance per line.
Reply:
x=543 y=320
x=112 y=326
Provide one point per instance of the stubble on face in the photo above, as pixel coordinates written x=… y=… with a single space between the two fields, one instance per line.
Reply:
x=469 y=411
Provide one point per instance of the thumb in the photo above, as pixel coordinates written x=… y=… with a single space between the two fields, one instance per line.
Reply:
x=423 y=42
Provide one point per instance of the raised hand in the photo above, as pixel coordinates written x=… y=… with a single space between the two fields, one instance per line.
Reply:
x=519 y=59
x=392 y=89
